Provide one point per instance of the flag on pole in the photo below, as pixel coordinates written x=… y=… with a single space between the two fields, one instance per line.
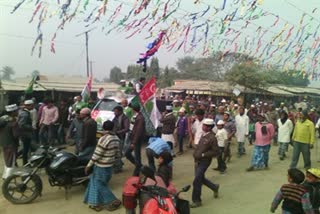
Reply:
x=85 y=94
x=147 y=101
x=29 y=89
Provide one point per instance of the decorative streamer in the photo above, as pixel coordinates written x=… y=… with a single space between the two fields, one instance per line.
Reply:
x=17 y=6
x=152 y=49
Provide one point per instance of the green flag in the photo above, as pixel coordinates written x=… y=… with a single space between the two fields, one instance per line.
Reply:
x=29 y=89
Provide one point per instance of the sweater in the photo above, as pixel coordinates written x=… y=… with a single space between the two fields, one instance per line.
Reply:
x=107 y=151
x=295 y=199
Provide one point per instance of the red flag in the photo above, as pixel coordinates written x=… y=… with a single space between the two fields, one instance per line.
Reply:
x=148 y=90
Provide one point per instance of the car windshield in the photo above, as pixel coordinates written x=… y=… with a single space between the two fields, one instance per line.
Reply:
x=107 y=105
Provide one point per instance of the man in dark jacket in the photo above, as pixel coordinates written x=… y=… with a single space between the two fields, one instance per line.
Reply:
x=137 y=137
x=26 y=130
x=88 y=134
x=121 y=128
x=169 y=124
x=203 y=154
x=9 y=140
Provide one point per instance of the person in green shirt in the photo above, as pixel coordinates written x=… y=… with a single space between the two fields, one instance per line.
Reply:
x=303 y=139
x=126 y=109
x=124 y=88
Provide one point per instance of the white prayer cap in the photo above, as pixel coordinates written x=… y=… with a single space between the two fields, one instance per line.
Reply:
x=252 y=106
x=236 y=105
x=208 y=122
x=11 y=108
x=212 y=105
x=223 y=101
x=28 y=102
x=265 y=104
x=220 y=122
x=169 y=108
x=182 y=109
x=122 y=80
x=175 y=101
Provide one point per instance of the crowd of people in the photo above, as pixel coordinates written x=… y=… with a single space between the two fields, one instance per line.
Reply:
x=206 y=126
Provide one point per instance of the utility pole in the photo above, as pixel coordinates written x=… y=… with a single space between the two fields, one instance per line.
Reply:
x=86 y=33
x=91 y=71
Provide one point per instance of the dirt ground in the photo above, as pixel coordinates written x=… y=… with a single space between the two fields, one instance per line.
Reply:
x=240 y=191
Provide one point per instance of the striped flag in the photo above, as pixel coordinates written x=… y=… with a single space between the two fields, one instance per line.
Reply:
x=87 y=90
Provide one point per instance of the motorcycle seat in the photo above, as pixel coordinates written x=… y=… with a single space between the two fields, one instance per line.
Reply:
x=83 y=160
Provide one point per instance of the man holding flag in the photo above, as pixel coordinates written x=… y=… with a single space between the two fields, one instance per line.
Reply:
x=146 y=122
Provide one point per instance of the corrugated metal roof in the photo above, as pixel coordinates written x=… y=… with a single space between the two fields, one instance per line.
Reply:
x=58 y=83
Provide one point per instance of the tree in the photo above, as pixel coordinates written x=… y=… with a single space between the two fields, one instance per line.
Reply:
x=210 y=68
x=154 y=69
x=289 y=78
x=134 y=72
x=249 y=75
x=7 y=72
x=115 y=75
x=167 y=77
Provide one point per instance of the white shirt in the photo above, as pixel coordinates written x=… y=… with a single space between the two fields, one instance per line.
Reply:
x=222 y=136
x=197 y=131
x=284 y=131
x=242 y=126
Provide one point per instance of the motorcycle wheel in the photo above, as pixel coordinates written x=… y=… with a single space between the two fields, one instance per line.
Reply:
x=130 y=211
x=15 y=191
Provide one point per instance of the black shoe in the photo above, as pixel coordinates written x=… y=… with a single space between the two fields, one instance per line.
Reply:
x=216 y=191
x=251 y=168
x=195 y=204
x=217 y=169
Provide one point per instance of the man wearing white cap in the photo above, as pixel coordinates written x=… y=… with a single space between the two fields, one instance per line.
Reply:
x=182 y=128
x=168 y=125
x=9 y=140
x=203 y=154
x=26 y=129
x=242 y=127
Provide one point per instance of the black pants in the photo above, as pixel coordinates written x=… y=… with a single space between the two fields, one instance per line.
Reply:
x=199 y=179
x=26 y=143
x=136 y=159
x=221 y=162
x=151 y=155
x=180 y=141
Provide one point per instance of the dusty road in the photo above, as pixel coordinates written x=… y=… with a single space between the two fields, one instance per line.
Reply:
x=241 y=192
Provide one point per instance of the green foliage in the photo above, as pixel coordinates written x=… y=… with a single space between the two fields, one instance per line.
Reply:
x=210 y=68
x=249 y=75
x=134 y=72
x=289 y=78
x=7 y=72
x=116 y=75
x=167 y=77
x=154 y=69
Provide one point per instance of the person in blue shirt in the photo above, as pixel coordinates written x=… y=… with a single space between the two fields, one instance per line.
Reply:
x=156 y=146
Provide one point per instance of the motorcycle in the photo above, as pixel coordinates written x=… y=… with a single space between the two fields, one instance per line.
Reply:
x=64 y=169
x=153 y=195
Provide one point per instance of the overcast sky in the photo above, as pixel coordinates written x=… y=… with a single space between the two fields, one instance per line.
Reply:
x=17 y=37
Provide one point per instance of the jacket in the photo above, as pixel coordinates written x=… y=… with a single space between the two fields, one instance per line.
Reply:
x=9 y=132
x=138 y=131
x=121 y=126
x=25 y=123
x=207 y=148
x=88 y=134
x=169 y=123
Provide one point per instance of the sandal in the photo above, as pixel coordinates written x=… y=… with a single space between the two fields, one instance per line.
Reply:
x=113 y=205
x=96 y=208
